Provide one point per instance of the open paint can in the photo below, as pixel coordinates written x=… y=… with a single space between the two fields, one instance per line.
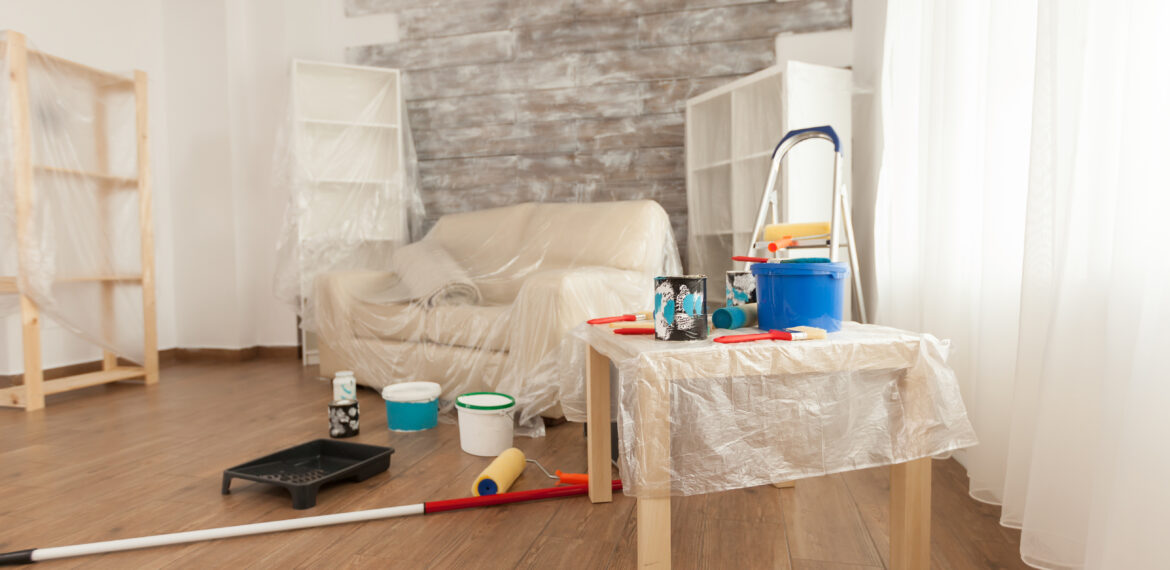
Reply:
x=412 y=406
x=343 y=418
x=741 y=288
x=680 y=307
x=485 y=422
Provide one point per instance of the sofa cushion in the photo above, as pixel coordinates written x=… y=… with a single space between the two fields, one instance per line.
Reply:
x=472 y=326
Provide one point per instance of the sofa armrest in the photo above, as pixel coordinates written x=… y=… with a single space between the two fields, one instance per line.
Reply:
x=552 y=302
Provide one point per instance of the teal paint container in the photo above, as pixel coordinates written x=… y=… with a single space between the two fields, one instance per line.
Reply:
x=412 y=406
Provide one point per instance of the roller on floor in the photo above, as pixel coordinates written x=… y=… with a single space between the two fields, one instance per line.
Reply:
x=426 y=508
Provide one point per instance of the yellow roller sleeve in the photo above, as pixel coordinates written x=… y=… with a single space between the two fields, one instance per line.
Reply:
x=500 y=474
x=775 y=232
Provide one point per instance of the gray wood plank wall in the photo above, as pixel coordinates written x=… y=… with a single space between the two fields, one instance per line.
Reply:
x=569 y=100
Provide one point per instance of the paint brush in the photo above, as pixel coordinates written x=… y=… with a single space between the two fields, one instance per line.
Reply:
x=639 y=316
x=634 y=330
x=794 y=333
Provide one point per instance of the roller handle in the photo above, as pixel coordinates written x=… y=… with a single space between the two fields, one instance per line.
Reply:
x=16 y=558
x=824 y=130
x=430 y=507
x=770 y=335
x=573 y=478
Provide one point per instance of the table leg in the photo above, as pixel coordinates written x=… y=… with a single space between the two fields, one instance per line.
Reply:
x=597 y=430
x=653 y=428
x=910 y=515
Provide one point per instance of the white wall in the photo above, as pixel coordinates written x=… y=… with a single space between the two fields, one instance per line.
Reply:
x=218 y=71
x=117 y=36
x=869 y=25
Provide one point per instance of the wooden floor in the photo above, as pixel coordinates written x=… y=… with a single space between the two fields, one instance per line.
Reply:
x=122 y=460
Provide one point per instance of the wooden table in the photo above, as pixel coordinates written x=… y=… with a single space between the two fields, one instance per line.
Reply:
x=909 y=482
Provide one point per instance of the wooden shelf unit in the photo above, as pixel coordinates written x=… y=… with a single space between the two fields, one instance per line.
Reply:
x=31 y=394
x=349 y=138
x=731 y=132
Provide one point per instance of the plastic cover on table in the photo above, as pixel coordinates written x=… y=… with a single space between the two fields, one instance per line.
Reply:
x=353 y=196
x=483 y=302
x=755 y=413
x=83 y=224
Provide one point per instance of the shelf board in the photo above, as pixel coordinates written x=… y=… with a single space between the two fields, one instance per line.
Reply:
x=8 y=284
x=363 y=124
x=738 y=159
x=14 y=396
x=98 y=278
x=709 y=166
x=766 y=153
x=57 y=171
x=355 y=182
x=99 y=77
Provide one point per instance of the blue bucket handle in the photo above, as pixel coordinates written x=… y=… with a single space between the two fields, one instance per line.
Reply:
x=824 y=130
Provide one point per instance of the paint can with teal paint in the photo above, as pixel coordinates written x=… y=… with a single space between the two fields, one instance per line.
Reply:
x=741 y=288
x=680 y=307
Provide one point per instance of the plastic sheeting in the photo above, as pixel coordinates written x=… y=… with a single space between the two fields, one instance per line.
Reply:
x=346 y=158
x=84 y=224
x=750 y=414
x=485 y=299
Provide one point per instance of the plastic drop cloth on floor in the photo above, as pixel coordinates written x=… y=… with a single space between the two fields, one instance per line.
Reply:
x=484 y=299
x=80 y=257
x=754 y=413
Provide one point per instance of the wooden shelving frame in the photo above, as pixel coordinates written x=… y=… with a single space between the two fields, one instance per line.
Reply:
x=332 y=102
x=31 y=394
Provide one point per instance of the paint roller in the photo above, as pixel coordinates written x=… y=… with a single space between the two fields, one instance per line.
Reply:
x=777 y=232
x=503 y=471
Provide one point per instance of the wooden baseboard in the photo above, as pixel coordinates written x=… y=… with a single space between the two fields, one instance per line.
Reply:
x=168 y=357
x=227 y=354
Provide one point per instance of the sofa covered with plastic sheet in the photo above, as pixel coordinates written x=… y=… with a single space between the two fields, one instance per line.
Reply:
x=485 y=296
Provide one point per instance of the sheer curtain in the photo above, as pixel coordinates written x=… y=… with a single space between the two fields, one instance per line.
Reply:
x=1022 y=212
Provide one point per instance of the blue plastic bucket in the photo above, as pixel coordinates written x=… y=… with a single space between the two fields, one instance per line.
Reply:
x=412 y=406
x=800 y=294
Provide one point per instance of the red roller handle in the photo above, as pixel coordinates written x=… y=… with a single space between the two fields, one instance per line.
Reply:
x=513 y=497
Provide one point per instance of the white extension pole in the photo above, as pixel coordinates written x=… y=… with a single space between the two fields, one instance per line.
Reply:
x=53 y=553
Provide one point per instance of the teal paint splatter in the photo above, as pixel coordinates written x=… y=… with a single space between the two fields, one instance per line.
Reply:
x=668 y=312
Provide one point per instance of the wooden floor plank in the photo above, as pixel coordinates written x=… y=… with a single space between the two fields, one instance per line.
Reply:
x=117 y=461
x=823 y=523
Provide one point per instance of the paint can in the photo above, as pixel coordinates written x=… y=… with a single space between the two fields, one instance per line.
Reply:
x=343 y=418
x=485 y=422
x=680 y=307
x=344 y=386
x=741 y=288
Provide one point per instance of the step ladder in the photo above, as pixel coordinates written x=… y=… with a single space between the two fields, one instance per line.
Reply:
x=776 y=236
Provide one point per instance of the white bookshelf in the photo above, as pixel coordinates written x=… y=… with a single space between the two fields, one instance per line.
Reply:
x=349 y=152
x=730 y=134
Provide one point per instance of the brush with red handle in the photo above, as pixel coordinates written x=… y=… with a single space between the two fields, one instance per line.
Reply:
x=795 y=333
x=634 y=330
x=639 y=316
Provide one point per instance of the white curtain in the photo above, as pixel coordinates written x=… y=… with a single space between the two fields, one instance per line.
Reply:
x=1023 y=212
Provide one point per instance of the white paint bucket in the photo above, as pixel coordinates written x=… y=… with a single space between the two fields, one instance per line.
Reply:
x=485 y=422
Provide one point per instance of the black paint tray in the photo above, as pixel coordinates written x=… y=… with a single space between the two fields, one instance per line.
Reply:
x=304 y=468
